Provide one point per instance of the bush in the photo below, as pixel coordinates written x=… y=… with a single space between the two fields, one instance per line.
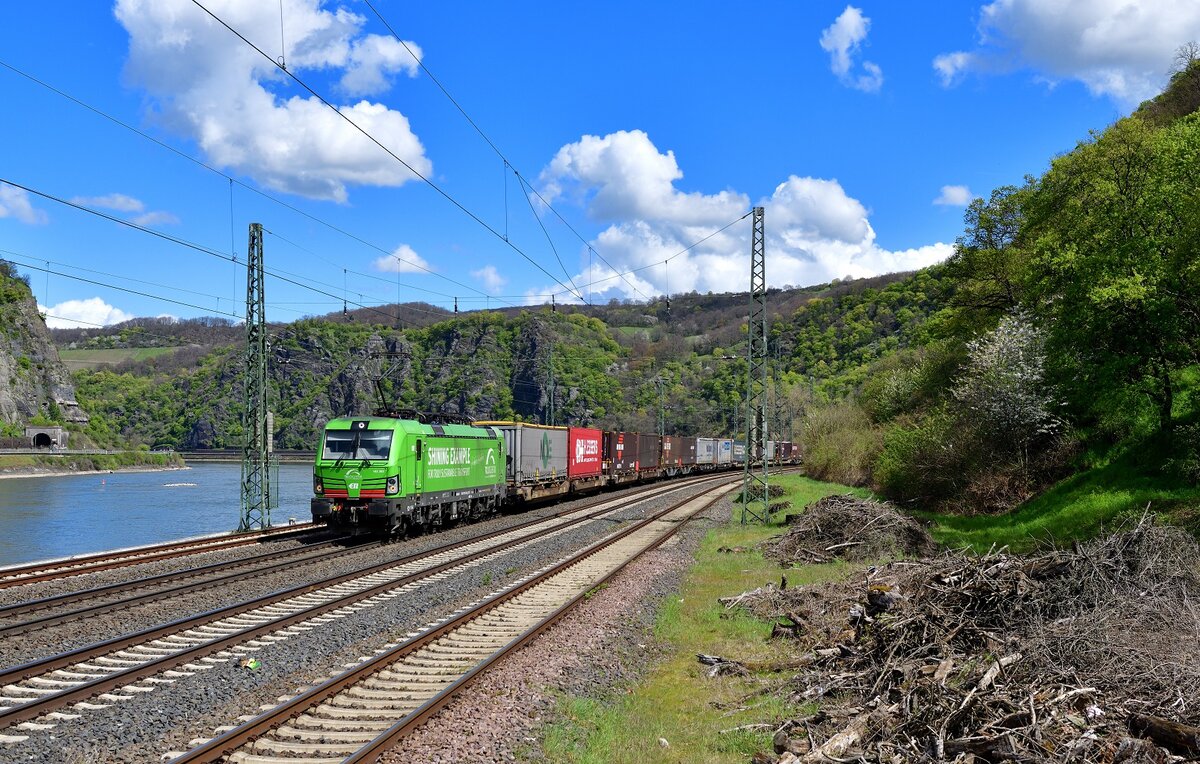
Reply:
x=925 y=461
x=840 y=444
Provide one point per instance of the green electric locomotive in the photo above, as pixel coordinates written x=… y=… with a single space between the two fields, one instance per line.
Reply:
x=407 y=472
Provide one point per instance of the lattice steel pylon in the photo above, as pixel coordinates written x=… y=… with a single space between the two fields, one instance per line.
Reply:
x=256 y=444
x=755 y=476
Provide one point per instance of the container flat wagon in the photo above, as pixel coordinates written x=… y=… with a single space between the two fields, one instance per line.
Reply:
x=672 y=459
x=649 y=456
x=724 y=452
x=536 y=466
x=621 y=456
x=739 y=452
x=585 y=458
x=687 y=453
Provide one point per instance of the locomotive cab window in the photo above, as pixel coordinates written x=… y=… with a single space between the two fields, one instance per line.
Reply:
x=366 y=444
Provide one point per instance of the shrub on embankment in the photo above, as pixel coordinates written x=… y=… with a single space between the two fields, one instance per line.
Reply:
x=1069 y=340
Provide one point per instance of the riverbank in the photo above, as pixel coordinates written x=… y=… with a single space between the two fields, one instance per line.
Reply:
x=62 y=465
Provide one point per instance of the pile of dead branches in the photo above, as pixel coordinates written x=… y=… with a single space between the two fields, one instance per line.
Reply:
x=1088 y=655
x=850 y=528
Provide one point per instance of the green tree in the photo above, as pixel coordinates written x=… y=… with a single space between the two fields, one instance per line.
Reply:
x=1112 y=239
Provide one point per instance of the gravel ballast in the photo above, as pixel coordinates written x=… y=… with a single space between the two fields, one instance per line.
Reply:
x=605 y=642
x=143 y=728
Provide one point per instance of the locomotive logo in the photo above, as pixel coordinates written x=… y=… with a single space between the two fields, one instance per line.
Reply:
x=489 y=463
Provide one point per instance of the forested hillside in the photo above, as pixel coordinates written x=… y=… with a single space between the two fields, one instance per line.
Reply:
x=610 y=365
x=35 y=389
x=1061 y=336
x=1068 y=339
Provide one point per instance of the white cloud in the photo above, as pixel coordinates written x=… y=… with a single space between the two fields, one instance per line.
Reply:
x=117 y=202
x=404 y=259
x=1117 y=48
x=125 y=203
x=155 y=218
x=952 y=67
x=15 y=203
x=374 y=57
x=955 y=196
x=624 y=175
x=213 y=88
x=490 y=278
x=842 y=41
x=93 y=310
x=815 y=230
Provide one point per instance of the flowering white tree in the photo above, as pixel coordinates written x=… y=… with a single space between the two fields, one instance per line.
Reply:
x=1003 y=386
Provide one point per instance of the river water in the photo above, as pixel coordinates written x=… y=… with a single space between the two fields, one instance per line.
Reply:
x=46 y=517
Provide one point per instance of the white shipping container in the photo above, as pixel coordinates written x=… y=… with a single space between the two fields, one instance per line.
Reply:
x=724 y=451
x=706 y=451
x=536 y=453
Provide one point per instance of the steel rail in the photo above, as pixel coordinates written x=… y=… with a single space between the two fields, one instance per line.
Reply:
x=93 y=563
x=36 y=707
x=227 y=743
x=285 y=557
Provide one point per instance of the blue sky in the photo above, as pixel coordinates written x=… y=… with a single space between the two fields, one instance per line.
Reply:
x=863 y=129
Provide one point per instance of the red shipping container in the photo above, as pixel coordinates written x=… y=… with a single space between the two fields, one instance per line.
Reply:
x=584 y=447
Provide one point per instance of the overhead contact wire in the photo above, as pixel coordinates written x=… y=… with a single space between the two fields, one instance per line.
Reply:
x=183 y=243
x=445 y=194
x=495 y=148
x=232 y=180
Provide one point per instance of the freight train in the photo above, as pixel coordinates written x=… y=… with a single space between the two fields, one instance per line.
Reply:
x=408 y=471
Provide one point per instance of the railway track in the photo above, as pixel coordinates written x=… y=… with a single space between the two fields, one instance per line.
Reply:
x=56 y=569
x=109 y=672
x=356 y=715
x=171 y=583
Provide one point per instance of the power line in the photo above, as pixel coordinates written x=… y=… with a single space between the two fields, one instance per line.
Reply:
x=184 y=243
x=445 y=194
x=124 y=289
x=351 y=270
x=232 y=180
x=686 y=249
x=339 y=230
x=549 y=240
x=496 y=149
x=117 y=276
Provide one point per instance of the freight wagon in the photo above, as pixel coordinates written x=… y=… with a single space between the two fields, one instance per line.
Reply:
x=687 y=452
x=621 y=456
x=537 y=459
x=585 y=458
x=724 y=451
x=672 y=457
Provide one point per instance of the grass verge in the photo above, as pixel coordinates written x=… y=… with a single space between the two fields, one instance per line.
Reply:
x=676 y=701
x=1081 y=507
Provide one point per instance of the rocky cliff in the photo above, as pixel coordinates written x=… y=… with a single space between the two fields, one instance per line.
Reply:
x=33 y=381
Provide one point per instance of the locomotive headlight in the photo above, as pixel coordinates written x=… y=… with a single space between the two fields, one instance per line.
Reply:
x=393 y=484
x=318 y=489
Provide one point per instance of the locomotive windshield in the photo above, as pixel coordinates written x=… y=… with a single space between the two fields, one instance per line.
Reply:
x=366 y=444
